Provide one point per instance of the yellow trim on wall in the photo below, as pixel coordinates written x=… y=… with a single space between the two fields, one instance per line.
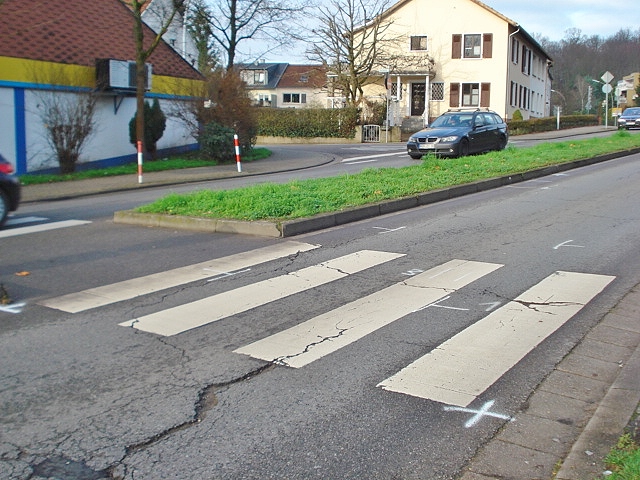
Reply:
x=22 y=70
x=49 y=73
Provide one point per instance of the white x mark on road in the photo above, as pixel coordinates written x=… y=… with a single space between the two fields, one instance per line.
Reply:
x=484 y=411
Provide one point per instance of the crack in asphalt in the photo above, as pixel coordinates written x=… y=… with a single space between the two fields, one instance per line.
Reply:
x=207 y=400
x=283 y=360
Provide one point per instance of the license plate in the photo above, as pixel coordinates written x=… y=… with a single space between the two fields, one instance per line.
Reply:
x=428 y=146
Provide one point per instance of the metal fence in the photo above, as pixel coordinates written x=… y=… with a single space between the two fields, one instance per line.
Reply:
x=371 y=133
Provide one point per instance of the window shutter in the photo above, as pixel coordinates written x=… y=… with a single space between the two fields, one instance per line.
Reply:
x=485 y=95
x=303 y=98
x=454 y=95
x=456 y=46
x=487 y=45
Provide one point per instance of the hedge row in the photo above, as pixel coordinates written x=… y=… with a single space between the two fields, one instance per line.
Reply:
x=307 y=122
x=546 y=124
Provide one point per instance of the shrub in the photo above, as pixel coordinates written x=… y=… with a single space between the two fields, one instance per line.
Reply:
x=217 y=142
x=230 y=106
x=155 y=122
x=547 y=124
x=308 y=122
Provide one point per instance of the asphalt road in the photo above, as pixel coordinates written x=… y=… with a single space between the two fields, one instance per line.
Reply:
x=95 y=394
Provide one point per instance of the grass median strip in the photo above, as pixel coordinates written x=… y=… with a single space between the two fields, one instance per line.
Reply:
x=305 y=198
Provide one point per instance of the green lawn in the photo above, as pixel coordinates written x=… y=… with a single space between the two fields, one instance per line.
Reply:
x=305 y=198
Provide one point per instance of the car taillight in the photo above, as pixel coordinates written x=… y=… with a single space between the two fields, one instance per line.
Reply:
x=6 y=168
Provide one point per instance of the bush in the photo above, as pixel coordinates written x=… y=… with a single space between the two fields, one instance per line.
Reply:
x=230 y=107
x=547 y=124
x=217 y=142
x=308 y=122
x=155 y=122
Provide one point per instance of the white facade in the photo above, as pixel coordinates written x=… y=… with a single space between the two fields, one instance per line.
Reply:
x=461 y=54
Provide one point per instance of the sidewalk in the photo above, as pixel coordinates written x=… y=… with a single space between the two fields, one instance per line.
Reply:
x=574 y=416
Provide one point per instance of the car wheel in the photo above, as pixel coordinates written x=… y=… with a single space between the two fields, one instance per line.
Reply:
x=463 y=148
x=416 y=156
x=502 y=142
x=4 y=207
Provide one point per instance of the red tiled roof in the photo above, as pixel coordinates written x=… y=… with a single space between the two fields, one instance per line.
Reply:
x=78 y=32
x=303 y=76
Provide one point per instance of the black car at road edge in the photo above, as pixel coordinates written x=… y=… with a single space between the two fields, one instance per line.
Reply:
x=460 y=132
x=9 y=190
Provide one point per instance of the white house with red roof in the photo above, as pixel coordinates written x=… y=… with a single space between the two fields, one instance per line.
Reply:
x=282 y=85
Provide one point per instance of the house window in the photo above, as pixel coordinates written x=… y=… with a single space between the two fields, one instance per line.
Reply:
x=515 y=50
x=259 y=77
x=526 y=60
x=472 y=45
x=470 y=94
x=437 y=91
x=264 y=100
x=294 y=98
x=304 y=78
x=419 y=42
x=394 y=92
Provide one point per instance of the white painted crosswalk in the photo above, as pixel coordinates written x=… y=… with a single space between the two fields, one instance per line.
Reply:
x=44 y=227
x=455 y=373
x=329 y=332
x=125 y=290
x=186 y=317
x=463 y=367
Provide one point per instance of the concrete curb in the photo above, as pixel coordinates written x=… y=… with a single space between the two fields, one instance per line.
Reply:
x=290 y=228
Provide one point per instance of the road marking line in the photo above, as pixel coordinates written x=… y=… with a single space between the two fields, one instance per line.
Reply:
x=127 y=289
x=12 y=232
x=459 y=370
x=202 y=312
x=21 y=220
x=366 y=157
x=324 y=334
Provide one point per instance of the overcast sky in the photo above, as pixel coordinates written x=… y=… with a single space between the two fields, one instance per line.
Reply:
x=549 y=18
x=552 y=18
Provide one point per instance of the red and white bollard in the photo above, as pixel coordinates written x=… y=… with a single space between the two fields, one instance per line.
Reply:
x=139 y=161
x=237 y=145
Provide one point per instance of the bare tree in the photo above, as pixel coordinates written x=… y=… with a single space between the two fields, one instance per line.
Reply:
x=354 y=42
x=166 y=18
x=69 y=122
x=67 y=112
x=232 y=22
x=348 y=43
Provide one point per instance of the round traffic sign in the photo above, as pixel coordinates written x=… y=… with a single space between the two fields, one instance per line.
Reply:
x=606 y=88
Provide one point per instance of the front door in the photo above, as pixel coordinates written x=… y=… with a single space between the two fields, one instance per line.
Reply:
x=417 y=99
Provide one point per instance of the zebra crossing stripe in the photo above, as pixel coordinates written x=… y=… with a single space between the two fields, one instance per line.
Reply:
x=116 y=292
x=324 y=334
x=460 y=369
x=12 y=232
x=192 y=315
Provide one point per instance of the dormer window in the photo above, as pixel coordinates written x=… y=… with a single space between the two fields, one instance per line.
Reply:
x=259 y=77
